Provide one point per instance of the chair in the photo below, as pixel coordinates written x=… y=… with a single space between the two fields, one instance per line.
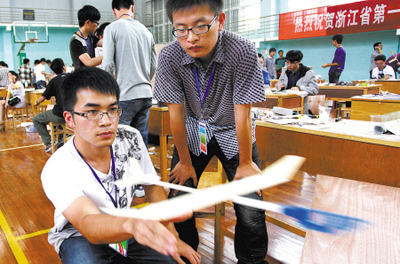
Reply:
x=57 y=129
x=15 y=113
x=209 y=179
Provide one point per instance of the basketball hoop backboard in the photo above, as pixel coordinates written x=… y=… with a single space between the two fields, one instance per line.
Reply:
x=30 y=32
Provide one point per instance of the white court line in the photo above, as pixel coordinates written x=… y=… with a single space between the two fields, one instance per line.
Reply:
x=30 y=146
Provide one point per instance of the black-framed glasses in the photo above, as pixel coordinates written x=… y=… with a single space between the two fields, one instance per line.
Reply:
x=94 y=115
x=198 y=30
x=96 y=22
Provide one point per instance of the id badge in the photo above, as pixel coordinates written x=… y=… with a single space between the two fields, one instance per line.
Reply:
x=120 y=247
x=203 y=137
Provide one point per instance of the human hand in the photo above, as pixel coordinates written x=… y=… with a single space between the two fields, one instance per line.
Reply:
x=156 y=236
x=247 y=170
x=295 y=88
x=181 y=173
x=279 y=86
x=6 y=105
x=324 y=66
x=188 y=252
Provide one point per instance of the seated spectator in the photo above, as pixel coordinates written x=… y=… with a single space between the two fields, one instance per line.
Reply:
x=55 y=115
x=297 y=77
x=15 y=90
x=382 y=71
x=266 y=77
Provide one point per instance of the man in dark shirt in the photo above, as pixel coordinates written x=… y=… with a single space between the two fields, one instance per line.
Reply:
x=337 y=65
x=83 y=42
x=56 y=114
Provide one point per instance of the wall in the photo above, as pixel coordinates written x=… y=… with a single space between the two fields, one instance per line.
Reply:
x=318 y=51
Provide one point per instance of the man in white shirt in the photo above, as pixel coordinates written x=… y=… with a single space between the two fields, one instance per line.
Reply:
x=382 y=71
x=39 y=72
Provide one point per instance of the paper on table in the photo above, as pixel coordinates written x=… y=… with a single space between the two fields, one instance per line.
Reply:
x=391 y=126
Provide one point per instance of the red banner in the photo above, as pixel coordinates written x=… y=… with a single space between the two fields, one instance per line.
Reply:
x=357 y=17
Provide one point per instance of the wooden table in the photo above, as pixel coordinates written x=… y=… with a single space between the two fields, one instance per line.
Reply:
x=343 y=93
x=347 y=149
x=159 y=124
x=363 y=108
x=379 y=204
x=392 y=86
x=291 y=101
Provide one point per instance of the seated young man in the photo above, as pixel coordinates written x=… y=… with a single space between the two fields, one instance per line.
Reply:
x=382 y=71
x=298 y=77
x=79 y=178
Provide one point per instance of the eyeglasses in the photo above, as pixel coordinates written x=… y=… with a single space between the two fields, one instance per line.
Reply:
x=198 y=30
x=94 y=115
x=96 y=22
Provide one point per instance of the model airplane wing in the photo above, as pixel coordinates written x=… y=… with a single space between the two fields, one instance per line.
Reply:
x=277 y=173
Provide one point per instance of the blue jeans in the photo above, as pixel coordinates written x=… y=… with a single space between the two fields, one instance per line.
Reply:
x=135 y=113
x=251 y=238
x=78 y=250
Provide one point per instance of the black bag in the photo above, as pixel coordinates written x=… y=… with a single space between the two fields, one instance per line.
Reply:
x=13 y=101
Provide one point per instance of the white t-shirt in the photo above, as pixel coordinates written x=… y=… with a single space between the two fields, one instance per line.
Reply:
x=38 y=72
x=378 y=74
x=66 y=176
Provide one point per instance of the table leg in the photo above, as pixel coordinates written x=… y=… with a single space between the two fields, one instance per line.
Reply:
x=163 y=158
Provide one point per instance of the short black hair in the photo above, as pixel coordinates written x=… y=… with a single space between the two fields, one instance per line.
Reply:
x=294 y=55
x=2 y=63
x=376 y=44
x=338 y=38
x=87 y=78
x=48 y=61
x=37 y=61
x=260 y=55
x=42 y=60
x=118 y=4
x=272 y=49
x=57 y=66
x=280 y=51
x=88 y=12
x=380 y=57
x=216 y=6
x=100 y=30
x=14 y=73
x=26 y=60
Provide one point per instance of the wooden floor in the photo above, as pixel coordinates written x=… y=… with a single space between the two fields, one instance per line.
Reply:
x=26 y=215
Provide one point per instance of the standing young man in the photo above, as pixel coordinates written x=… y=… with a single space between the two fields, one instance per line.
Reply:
x=129 y=51
x=337 y=64
x=25 y=73
x=377 y=51
x=269 y=63
x=79 y=178
x=280 y=63
x=40 y=71
x=83 y=42
x=209 y=78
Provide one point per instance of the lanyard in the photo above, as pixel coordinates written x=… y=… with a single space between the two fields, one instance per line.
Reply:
x=124 y=15
x=86 y=39
x=208 y=86
x=290 y=80
x=98 y=179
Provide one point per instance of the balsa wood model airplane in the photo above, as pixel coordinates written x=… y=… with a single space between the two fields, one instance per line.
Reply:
x=277 y=173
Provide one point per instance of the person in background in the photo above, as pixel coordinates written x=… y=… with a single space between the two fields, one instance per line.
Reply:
x=48 y=62
x=34 y=84
x=83 y=42
x=209 y=77
x=99 y=33
x=15 y=90
x=269 y=63
x=382 y=71
x=280 y=63
x=394 y=62
x=4 y=82
x=377 y=51
x=267 y=80
x=25 y=73
x=129 y=53
x=78 y=179
x=339 y=59
x=298 y=77
x=55 y=115
x=39 y=71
